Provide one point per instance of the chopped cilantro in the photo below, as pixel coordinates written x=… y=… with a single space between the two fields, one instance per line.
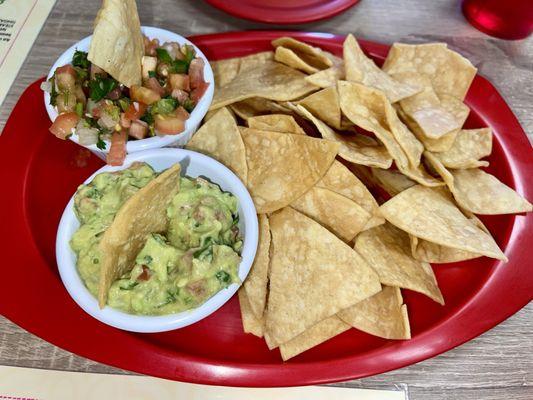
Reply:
x=152 y=74
x=163 y=56
x=189 y=105
x=53 y=93
x=80 y=60
x=82 y=73
x=223 y=277
x=100 y=87
x=100 y=143
x=129 y=286
x=175 y=66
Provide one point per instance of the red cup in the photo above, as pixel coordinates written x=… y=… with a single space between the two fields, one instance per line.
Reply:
x=505 y=19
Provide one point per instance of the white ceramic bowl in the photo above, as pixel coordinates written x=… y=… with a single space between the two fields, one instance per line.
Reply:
x=193 y=164
x=191 y=125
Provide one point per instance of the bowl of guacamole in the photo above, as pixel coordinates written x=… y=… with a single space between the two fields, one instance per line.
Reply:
x=201 y=248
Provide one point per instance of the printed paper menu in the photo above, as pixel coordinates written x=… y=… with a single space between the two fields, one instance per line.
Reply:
x=20 y=23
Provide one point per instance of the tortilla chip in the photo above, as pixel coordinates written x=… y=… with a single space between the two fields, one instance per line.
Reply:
x=257 y=106
x=324 y=105
x=275 y=123
x=283 y=167
x=355 y=148
x=290 y=58
x=388 y=251
x=315 y=57
x=341 y=180
x=392 y=181
x=360 y=68
x=327 y=77
x=225 y=71
x=269 y=80
x=313 y=275
x=250 y=323
x=430 y=214
x=469 y=147
x=255 y=60
x=421 y=176
x=143 y=213
x=220 y=138
x=433 y=253
x=482 y=193
x=342 y=216
x=117 y=45
x=449 y=72
x=312 y=337
x=256 y=284
x=383 y=315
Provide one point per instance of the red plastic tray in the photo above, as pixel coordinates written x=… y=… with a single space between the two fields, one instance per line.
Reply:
x=38 y=174
x=283 y=12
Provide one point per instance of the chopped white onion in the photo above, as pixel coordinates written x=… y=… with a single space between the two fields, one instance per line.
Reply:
x=46 y=86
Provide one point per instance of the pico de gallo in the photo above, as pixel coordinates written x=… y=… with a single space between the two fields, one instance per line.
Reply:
x=98 y=108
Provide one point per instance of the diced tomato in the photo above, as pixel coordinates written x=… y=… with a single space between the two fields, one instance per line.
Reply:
x=117 y=151
x=135 y=111
x=138 y=129
x=96 y=70
x=198 y=92
x=179 y=81
x=180 y=95
x=63 y=124
x=181 y=113
x=66 y=78
x=145 y=275
x=144 y=95
x=169 y=124
x=153 y=84
x=124 y=121
x=80 y=95
x=150 y=46
x=196 y=72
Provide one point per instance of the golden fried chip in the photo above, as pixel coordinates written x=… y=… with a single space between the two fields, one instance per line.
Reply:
x=355 y=148
x=430 y=214
x=220 y=138
x=360 y=68
x=117 y=44
x=290 y=58
x=255 y=60
x=283 y=167
x=324 y=105
x=342 y=216
x=276 y=123
x=313 y=56
x=256 y=284
x=341 y=180
x=224 y=71
x=383 y=315
x=392 y=181
x=313 y=275
x=388 y=251
x=269 y=80
x=434 y=253
x=327 y=77
x=143 y=213
x=317 y=334
x=250 y=323
x=449 y=72
x=257 y=106
x=469 y=147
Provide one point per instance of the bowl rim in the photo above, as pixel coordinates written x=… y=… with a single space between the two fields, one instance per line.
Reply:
x=132 y=146
x=66 y=258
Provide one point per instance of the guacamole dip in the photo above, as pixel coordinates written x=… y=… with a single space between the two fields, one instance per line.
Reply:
x=175 y=270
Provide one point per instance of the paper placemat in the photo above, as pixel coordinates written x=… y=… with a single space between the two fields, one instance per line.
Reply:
x=20 y=23
x=39 y=384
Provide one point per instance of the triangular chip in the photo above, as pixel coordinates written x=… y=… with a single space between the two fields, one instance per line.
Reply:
x=220 y=138
x=143 y=213
x=469 y=147
x=282 y=167
x=313 y=275
x=117 y=44
x=276 y=123
x=255 y=60
x=257 y=106
x=250 y=323
x=256 y=283
x=313 y=56
x=342 y=216
x=317 y=334
x=383 y=315
x=341 y=180
x=392 y=181
x=224 y=71
x=388 y=251
x=449 y=72
x=430 y=214
x=327 y=77
x=324 y=105
x=434 y=253
x=270 y=80
x=360 y=68
x=356 y=148
x=290 y=58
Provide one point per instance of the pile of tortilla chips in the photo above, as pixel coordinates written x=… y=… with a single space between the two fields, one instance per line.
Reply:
x=304 y=129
